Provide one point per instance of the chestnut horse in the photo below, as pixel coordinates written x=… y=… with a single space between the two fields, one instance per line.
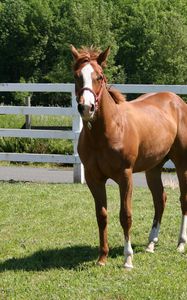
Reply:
x=119 y=138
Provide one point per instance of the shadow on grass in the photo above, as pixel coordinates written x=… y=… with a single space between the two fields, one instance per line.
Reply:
x=67 y=258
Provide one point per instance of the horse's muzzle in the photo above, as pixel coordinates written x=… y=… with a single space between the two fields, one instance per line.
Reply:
x=86 y=111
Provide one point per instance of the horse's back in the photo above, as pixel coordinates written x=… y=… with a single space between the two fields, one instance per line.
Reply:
x=160 y=99
x=167 y=103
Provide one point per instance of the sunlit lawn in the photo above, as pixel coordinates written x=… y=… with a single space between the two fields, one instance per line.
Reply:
x=49 y=241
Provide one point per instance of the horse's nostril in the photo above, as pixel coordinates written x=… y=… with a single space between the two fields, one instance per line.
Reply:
x=80 y=108
x=92 y=108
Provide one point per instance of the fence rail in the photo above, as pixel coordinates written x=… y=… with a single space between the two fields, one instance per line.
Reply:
x=38 y=133
x=67 y=111
x=69 y=88
x=37 y=110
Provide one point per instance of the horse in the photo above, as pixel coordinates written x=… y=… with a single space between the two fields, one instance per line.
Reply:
x=119 y=138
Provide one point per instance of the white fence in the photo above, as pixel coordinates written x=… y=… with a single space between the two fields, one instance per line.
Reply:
x=53 y=134
x=68 y=111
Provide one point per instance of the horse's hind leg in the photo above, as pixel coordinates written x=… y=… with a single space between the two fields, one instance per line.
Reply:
x=155 y=185
x=182 y=176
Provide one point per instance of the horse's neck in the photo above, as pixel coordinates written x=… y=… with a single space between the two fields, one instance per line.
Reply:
x=107 y=107
x=106 y=115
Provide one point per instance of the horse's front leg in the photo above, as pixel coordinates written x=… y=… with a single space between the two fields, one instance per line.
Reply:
x=125 y=186
x=98 y=191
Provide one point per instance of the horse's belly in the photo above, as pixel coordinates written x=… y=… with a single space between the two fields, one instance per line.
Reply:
x=155 y=145
x=149 y=158
x=147 y=164
x=110 y=165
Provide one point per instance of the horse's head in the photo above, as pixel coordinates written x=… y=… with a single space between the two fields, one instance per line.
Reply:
x=89 y=79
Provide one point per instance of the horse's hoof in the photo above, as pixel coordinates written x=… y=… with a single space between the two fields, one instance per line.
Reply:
x=150 y=248
x=181 y=248
x=100 y=263
x=128 y=266
x=128 y=263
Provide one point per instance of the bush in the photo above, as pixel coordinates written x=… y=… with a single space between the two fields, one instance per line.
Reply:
x=29 y=145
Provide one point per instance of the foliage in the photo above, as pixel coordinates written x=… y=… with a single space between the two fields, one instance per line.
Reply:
x=25 y=28
x=148 y=41
x=83 y=26
x=20 y=97
x=153 y=41
x=49 y=252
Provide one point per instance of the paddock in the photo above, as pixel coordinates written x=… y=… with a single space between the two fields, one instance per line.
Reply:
x=46 y=255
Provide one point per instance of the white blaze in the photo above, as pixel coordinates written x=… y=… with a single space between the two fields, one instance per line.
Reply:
x=87 y=83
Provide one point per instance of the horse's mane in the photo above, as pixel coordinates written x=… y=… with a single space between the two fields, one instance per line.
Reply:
x=86 y=54
x=91 y=52
x=116 y=95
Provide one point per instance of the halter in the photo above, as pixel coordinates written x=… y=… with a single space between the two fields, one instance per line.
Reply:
x=97 y=97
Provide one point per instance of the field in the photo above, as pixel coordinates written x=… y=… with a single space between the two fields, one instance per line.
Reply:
x=49 y=245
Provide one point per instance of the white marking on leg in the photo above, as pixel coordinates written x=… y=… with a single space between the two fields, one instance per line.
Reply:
x=128 y=252
x=183 y=234
x=153 y=238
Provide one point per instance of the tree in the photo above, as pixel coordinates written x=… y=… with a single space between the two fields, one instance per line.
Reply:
x=27 y=42
x=86 y=23
x=148 y=39
x=153 y=41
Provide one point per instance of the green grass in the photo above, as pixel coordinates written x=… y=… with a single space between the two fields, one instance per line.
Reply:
x=17 y=121
x=49 y=245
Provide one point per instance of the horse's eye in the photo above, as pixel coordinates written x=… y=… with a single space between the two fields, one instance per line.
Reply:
x=99 y=77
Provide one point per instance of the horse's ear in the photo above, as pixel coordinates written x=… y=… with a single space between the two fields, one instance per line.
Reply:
x=74 y=52
x=103 y=56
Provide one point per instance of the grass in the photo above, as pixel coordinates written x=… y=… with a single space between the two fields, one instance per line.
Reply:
x=17 y=121
x=49 y=241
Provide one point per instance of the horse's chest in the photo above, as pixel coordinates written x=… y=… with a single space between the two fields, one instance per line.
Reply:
x=104 y=162
x=104 y=156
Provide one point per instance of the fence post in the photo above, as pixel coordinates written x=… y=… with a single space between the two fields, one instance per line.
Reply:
x=78 y=169
x=28 y=117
